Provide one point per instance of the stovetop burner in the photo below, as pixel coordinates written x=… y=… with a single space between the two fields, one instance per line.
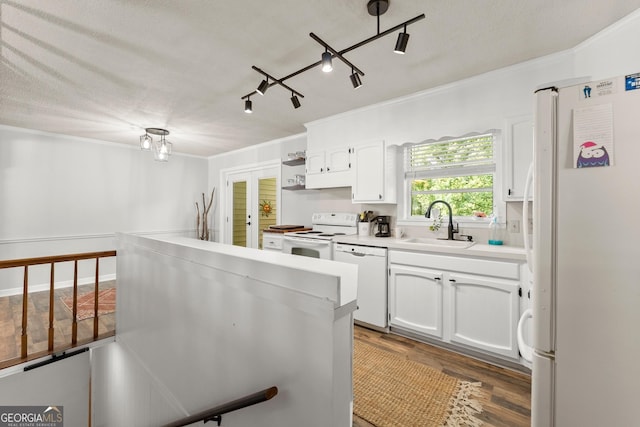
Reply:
x=326 y=226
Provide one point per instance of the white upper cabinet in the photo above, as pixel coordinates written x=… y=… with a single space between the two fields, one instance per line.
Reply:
x=338 y=160
x=518 y=155
x=374 y=178
x=315 y=163
x=329 y=168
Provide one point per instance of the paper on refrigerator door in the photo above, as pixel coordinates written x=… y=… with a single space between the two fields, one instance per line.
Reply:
x=593 y=136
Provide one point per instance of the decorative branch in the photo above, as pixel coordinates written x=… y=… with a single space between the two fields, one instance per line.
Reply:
x=198 y=221
x=203 y=233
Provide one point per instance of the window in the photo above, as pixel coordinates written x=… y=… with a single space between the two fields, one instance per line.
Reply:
x=459 y=171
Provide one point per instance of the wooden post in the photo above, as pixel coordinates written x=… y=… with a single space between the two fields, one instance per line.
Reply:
x=95 y=301
x=25 y=303
x=74 y=324
x=51 y=306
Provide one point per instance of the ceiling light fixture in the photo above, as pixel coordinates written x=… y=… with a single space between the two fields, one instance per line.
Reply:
x=248 y=108
x=376 y=8
x=355 y=80
x=295 y=101
x=401 y=43
x=263 y=86
x=145 y=142
x=161 y=148
x=327 y=65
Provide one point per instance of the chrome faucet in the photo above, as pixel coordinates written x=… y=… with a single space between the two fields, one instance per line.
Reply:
x=450 y=229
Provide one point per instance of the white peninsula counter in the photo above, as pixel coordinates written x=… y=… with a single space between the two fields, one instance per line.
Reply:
x=201 y=323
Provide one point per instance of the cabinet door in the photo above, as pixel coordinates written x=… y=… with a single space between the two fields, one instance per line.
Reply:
x=338 y=160
x=519 y=155
x=416 y=300
x=369 y=180
x=315 y=162
x=484 y=313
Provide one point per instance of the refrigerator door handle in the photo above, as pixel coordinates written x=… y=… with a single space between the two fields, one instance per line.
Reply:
x=525 y=218
x=526 y=351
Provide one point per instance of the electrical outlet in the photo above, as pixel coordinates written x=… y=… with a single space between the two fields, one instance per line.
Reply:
x=513 y=226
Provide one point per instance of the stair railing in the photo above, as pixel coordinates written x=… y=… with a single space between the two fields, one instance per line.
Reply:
x=215 y=413
x=52 y=260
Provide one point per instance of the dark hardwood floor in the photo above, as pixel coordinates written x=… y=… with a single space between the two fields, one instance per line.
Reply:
x=506 y=399
x=38 y=321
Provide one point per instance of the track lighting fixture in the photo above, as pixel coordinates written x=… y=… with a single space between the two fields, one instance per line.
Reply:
x=401 y=43
x=294 y=100
x=375 y=8
x=248 y=107
x=327 y=65
x=263 y=86
x=161 y=148
x=355 y=80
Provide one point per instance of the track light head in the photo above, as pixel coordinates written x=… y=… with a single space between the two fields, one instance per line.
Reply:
x=327 y=66
x=248 y=108
x=355 y=80
x=262 y=88
x=401 y=43
x=295 y=101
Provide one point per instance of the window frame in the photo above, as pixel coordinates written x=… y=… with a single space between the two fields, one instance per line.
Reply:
x=499 y=206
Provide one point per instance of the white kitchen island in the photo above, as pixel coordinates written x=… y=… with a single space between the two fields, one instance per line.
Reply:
x=201 y=323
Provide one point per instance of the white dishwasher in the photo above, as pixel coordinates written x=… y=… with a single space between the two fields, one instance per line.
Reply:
x=372 y=282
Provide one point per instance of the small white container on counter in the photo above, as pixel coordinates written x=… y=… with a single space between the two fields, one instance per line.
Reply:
x=364 y=228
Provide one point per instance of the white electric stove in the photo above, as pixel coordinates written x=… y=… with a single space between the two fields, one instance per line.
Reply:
x=316 y=242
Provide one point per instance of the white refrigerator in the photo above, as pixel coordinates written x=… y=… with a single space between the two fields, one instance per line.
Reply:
x=586 y=254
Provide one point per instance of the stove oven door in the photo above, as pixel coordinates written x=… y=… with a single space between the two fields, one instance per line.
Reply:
x=314 y=248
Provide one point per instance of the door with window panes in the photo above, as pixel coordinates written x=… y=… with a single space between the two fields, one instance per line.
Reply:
x=252 y=200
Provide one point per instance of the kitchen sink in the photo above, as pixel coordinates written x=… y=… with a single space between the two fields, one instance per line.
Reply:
x=462 y=244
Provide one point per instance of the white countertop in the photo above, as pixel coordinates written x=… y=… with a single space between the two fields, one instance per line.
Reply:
x=477 y=250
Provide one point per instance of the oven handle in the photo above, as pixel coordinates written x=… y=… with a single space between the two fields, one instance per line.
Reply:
x=304 y=240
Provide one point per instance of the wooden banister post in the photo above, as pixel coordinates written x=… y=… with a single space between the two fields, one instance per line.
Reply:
x=25 y=304
x=95 y=301
x=74 y=324
x=51 y=306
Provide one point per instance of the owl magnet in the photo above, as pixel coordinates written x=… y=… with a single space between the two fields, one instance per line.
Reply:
x=593 y=136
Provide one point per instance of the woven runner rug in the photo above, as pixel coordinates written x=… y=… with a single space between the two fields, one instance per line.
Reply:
x=392 y=391
x=106 y=303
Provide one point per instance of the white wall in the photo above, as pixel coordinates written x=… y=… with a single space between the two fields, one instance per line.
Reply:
x=64 y=383
x=61 y=195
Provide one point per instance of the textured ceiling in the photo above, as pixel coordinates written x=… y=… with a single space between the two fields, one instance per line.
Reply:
x=107 y=69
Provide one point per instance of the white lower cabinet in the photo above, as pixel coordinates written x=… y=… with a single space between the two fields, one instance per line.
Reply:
x=484 y=313
x=470 y=303
x=415 y=299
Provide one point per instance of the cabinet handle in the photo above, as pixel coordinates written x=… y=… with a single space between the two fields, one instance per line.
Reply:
x=380 y=196
x=509 y=191
x=321 y=169
x=437 y=278
x=328 y=169
x=452 y=280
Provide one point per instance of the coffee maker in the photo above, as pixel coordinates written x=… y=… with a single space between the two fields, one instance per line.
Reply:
x=383 y=228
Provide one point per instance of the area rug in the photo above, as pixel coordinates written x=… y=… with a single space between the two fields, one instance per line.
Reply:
x=106 y=303
x=392 y=391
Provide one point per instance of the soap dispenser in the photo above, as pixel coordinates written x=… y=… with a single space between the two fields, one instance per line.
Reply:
x=495 y=233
